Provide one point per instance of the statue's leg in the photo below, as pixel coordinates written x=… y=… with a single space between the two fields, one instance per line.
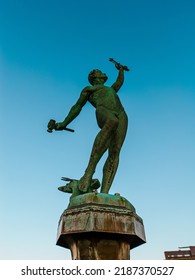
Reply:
x=115 y=146
x=109 y=170
x=100 y=145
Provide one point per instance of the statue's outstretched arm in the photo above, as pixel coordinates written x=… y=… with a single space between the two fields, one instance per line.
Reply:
x=74 y=111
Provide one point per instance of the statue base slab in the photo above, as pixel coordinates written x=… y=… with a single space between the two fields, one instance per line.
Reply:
x=100 y=227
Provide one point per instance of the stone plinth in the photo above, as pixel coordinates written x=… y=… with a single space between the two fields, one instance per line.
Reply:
x=100 y=227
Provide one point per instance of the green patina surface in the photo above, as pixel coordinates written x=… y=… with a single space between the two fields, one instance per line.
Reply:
x=111 y=119
x=101 y=199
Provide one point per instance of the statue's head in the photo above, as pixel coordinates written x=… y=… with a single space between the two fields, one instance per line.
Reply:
x=97 y=77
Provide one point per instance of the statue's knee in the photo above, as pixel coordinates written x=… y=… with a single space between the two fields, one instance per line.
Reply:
x=114 y=153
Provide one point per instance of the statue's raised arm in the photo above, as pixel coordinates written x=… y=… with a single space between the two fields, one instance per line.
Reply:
x=120 y=79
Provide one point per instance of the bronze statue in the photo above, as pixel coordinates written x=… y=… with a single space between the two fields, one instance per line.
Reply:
x=112 y=121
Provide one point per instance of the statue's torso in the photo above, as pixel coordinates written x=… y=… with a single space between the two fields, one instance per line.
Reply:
x=101 y=95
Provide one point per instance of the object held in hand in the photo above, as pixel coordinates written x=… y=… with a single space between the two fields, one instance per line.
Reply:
x=118 y=64
x=52 y=126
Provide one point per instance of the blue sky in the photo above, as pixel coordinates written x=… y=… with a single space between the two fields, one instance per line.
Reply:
x=47 y=49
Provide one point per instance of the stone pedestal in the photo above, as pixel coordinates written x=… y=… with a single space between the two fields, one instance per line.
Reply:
x=100 y=227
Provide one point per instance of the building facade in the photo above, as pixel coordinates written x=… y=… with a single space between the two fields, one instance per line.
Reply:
x=184 y=253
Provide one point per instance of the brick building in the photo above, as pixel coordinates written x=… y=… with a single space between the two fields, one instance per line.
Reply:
x=184 y=253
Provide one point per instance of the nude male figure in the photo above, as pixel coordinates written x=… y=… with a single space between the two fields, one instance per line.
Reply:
x=112 y=121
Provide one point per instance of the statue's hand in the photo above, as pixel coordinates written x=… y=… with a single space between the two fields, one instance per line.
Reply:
x=60 y=126
x=118 y=66
x=53 y=125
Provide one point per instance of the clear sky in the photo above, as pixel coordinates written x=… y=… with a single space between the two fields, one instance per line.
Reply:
x=47 y=50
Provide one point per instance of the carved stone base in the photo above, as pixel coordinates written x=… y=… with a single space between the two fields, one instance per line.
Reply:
x=100 y=227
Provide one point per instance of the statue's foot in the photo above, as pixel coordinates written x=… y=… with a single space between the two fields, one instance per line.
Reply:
x=84 y=183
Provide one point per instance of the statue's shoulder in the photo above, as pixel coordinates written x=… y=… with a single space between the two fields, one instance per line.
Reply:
x=88 y=88
x=87 y=91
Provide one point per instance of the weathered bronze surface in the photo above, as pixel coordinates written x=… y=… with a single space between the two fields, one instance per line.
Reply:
x=93 y=221
x=99 y=226
x=94 y=246
x=112 y=121
x=72 y=187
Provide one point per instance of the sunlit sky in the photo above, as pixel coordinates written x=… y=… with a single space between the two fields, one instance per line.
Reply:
x=47 y=49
